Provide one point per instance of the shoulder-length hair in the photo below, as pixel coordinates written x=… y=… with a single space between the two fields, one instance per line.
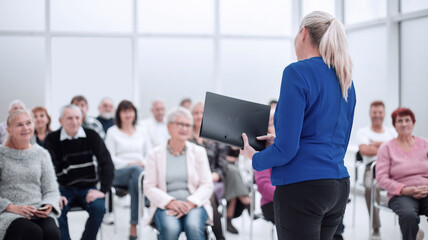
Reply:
x=125 y=105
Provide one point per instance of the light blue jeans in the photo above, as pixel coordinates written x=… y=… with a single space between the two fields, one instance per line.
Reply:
x=128 y=177
x=170 y=227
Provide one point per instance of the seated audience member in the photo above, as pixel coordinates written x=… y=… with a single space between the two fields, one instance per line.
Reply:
x=216 y=158
x=128 y=146
x=369 y=139
x=236 y=192
x=156 y=125
x=264 y=186
x=402 y=170
x=178 y=182
x=14 y=105
x=88 y=121
x=106 y=110
x=186 y=103
x=42 y=125
x=29 y=194
x=72 y=149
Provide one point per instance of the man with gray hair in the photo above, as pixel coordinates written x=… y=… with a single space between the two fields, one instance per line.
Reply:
x=156 y=125
x=13 y=106
x=72 y=149
x=106 y=110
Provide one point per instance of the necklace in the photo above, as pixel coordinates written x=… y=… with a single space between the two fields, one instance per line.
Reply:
x=170 y=150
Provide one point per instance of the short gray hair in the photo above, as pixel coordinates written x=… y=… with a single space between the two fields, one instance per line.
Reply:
x=69 y=106
x=16 y=101
x=178 y=112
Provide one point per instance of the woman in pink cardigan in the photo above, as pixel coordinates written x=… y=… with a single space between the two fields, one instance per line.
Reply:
x=402 y=170
x=178 y=182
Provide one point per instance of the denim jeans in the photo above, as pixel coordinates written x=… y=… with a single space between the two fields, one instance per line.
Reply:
x=128 y=177
x=95 y=209
x=193 y=224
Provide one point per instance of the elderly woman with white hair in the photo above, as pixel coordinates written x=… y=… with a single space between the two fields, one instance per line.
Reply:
x=178 y=182
x=29 y=196
x=13 y=106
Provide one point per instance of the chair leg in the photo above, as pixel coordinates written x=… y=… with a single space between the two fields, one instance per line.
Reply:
x=141 y=203
x=223 y=203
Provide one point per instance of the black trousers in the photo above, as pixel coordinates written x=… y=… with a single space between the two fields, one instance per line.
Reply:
x=268 y=212
x=408 y=210
x=37 y=229
x=217 y=230
x=310 y=210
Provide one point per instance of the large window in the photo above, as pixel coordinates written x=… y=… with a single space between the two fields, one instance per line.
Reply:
x=144 y=50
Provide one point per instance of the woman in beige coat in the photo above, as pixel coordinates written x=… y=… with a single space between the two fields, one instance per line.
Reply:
x=178 y=182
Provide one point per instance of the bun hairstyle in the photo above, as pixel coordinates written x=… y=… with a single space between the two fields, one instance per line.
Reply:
x=328 y=34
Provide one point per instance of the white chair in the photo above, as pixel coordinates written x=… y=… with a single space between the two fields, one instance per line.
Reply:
x=382 y=205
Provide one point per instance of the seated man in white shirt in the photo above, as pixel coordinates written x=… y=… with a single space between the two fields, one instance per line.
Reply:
x=369 y=140
x=155 y=126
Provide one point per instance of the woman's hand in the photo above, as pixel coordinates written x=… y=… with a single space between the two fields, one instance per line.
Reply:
x=408 y=191
x=25 y=210
x=137 y=163
x=215 y=177
x=62 y=202
x=269 y=138
x=421 y=192
x=248 y=151
x=93 y=195
x=415 y=192
x=43 y=213
x=231 y=159
x=176 y=208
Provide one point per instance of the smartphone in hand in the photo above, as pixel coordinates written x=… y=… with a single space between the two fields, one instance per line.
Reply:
x=46 y=207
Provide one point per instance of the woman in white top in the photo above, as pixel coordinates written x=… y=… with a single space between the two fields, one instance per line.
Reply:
x=128 y=146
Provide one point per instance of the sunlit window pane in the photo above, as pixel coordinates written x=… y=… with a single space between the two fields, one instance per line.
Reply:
x=172 y=16
x=92 y=15
x=256 y=17
x=171 y=69
x=413 y=5
x=414 y=71
x=22 y=15
x=22 y=75
x=309 y=6
x=93 y=67
x=364 y=10
x=252 y=69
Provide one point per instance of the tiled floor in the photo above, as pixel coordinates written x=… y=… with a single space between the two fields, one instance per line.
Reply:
x=262 y=230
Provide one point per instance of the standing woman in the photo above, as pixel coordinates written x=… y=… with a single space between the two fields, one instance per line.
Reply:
x=128 y=146
x=42 y=125
x=29 y=195
x=313 y=122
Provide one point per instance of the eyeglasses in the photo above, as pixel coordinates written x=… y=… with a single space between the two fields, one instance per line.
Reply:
x=183 y=125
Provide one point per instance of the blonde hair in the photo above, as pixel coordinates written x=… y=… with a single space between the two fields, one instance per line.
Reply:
x=11 y=119
x=328 y=34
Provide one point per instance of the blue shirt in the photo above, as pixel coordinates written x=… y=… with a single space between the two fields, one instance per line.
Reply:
x=312 y=123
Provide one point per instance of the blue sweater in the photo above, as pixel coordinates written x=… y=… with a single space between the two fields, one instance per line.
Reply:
x=312 y=123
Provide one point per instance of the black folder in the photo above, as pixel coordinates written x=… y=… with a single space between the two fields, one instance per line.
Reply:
x=226 y=118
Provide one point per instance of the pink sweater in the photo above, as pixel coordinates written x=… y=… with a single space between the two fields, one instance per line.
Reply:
x=396 y=169
x=264 y=185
